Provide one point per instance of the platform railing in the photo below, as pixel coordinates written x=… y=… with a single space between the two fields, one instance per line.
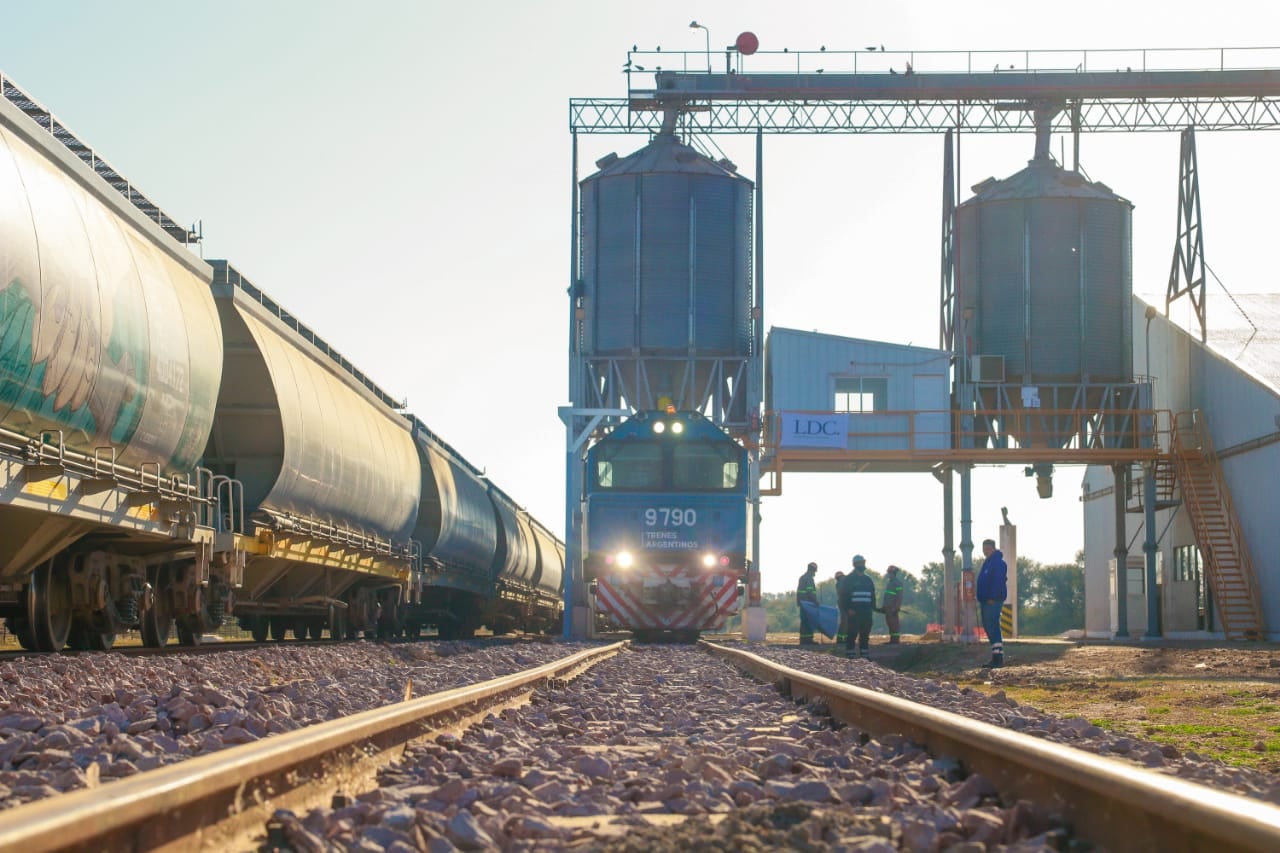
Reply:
x=879 y=59
x=995 y=435
x=48 y=122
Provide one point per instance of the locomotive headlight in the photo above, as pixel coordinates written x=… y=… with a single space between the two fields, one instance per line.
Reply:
x=659 y=427
x=677 y=427
x=709 y=560
x=624 y=559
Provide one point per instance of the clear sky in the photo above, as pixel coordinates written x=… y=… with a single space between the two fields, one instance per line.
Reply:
x=398 y=175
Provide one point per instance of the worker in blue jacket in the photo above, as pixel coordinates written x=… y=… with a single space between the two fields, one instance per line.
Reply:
x=992 y=589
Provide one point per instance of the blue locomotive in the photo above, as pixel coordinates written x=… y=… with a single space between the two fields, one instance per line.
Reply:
x=667 y=525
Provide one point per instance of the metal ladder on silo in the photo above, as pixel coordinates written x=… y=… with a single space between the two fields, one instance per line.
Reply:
x=1217 y=528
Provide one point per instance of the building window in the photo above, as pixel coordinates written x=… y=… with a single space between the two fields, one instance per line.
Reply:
x=1136 y=581
x=861 y=394
x=1186 y=563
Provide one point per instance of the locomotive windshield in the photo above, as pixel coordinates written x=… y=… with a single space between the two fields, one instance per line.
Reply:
x=701 y=466
x=692 y=466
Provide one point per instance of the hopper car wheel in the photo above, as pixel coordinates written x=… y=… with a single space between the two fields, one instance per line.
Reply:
x=258 y=627
x=157 y=621
x=688 y=636
x=49 y=607
x=299 y=627
x=279 y=627
x=315 y=628
x=192 y=626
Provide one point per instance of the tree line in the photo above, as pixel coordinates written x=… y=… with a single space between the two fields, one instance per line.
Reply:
x=1050 y=599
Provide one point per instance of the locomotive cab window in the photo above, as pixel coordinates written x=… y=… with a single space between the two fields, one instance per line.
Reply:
x=702 y=466
x=629 y=466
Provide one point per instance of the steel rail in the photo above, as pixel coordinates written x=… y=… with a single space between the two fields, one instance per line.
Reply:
x=1108 y=802
x=213 y=799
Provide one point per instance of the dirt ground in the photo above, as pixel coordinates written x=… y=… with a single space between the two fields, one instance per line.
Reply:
x=1219 y=699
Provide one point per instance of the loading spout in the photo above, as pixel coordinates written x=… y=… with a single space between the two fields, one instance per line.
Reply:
x=669 y=119
x=1043 y=113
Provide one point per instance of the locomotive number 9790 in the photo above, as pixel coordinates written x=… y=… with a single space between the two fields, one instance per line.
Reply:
x=670 y=517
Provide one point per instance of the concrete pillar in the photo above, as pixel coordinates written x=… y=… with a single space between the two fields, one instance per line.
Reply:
x=1009 y=547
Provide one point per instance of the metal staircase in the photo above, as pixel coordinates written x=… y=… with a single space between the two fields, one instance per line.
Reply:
x=1217 y=528
x=1166 y=478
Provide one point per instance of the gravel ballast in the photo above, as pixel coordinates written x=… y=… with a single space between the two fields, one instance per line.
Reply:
x=71 y=721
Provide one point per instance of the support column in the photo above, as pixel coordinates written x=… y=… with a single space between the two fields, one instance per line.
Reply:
x=1120 y=473
x=968 y=592
x=574 y=626
x=575 y=611
x=950 y=615
x=755 y=621
x=1150 y=546
x=579 y=425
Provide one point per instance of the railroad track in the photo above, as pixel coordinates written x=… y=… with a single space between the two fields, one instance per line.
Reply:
x=1108 y=802
x=225 y=800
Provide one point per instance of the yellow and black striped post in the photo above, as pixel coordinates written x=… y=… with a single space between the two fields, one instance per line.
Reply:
x=1006 y=620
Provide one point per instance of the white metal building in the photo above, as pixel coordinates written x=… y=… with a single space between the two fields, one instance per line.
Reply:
x=898 y=395
x=1233 y=380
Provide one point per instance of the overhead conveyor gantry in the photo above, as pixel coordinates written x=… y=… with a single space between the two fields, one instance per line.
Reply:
x=1096 y=91
x=953 y=93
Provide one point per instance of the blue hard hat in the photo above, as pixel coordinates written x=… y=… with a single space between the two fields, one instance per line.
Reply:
x=858 y=558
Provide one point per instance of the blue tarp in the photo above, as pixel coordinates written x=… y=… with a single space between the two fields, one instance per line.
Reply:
x=822 y=618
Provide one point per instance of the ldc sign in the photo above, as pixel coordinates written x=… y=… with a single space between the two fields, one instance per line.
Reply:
x=803 y=429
